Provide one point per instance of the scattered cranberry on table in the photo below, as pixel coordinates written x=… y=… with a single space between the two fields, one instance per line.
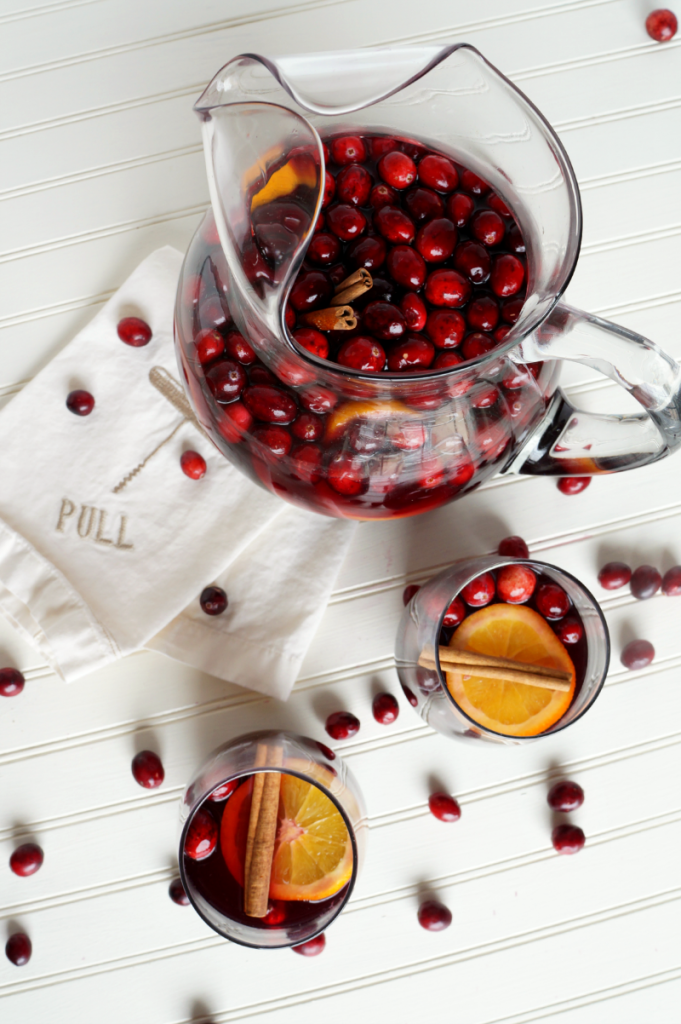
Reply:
x=12 y=682
x=645 y=582
x=385 y=708
x=565 y=796
x=18 y=949
x=26 y=859
x=341 y=725
x=434 y=916
x=313 y=947
x=567 y=838
x=552 y=601
x=513 y=547
x=515 y=584
x=177 y=893
x=147 y=769
x=671 y=581
x=444 y=807
x=637 y=654
x=614 y=575
x=134 y=331
x=193 y=465
x=409 y=592
x=213 y=600
x=573 y=484
x=661 y=25
x=202 y=835
x=79 y=402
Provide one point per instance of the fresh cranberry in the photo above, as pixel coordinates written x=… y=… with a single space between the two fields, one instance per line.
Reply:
x=434 y=916
x=444 y=807
x=347 y=475
x=447 y=288
x=256 y=268
x=565 y=796
x=414 y=311
x=501 y=332
x=276 y=439
x=313 y=947
x=645 y=581
x=353 y=185
x=438 y=172
x=367 y=252
x=312 y=341
x=515 y=584
x=12 y=682
x=510 y=309
x=487 y=227
x=455 y=614
x=133 y=331
x=406 y=267
x=318 y=400
x=324 y=249
x=460 y=208
x=147 y=769
x=472 y=259
x=498 y=205
x=476 y=345
x=209 y=345
x=671 y=582
x=342 y=725
x=514 y=240
x=193 y=465
x=276 y=913
x=261 y=375
x=436 y=240
x=445 y=360
x=573 y=484
x=80 y=403
x=18 y=949
x=483 y=314
x=409 y=592
x=346 y=222
x=397 y=169
x=308 y=462
x=394 y=225
x=614 y=575
x=381 y=195
x=472 y=183
x=513 y=547
x=479 y=591
x=569 y=631
x=349 y=149
x=329 y=189
x=213 y=600
x=269 y=404
x=177 y=893
x=202 y=835
x=307 y=427
x=26 y=859
x=221 y=792
x=385 y=708
x=423 y=204
x=483 y=396
x=508 y=275
x=381 y=144
x=311 y=291
x=414 y=353
x=234 y=422
x=637 y=654
x=361 y=353
x=445 y=328
x=567 y=839
x=552 y=601
x=384 y=321
x=226 y=380
x=661 y=25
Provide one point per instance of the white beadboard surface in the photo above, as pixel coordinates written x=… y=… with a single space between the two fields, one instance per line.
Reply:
x=101 y=163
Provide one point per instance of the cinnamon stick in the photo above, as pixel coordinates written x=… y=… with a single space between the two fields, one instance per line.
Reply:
x=337 y=318
x=263 y=826
x=520 y=674
x=451 y=655
x=361 y=276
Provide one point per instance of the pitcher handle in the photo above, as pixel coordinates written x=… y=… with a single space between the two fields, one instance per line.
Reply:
x=570 y=442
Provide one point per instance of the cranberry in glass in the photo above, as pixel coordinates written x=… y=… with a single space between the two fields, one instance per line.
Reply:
x=573 y=484
x=515 y=584
x=456 y=613
x=349 y=149
x=381 y=195
x=569 y=631
x=397 y=169
x=384 y=321
x=409 y=592
x=498 y=205
x=637 y=654
x=209 y=345
x=473 y=260
x=385 y=708
x=423 y=204
x=238 y=348
x=80 y=402
x=312 y=341
x=472 y=183
x=347 y=475
x=353 y=185
x=565 y=796
x=177 y=893
x=552 y=601
x=460 y=208
x=438 y=172
x=193 y=465
x=367 y=252
x=447 y=288
x=311 y=291
x=645 y=582
x=487 y=227
x=307 y=427
x=437 y=240
x=329 y=189
x=479 y=591
x=346 y=221
x=18 y=949
x=614 y=575
x=513 y=547
x=414 y=353
x=324 y=249
x=406 y=267
x=567 y=838
x=202 y=835
x=661 y=25
x=434 y=916
x=134 y=331
x=445 y=328
x=508 y=275
x=394 y=224
x=226 y=380
x=483 y=314
x=446 y=359
x=12 y=682
x=213 y=600
x=476 y=345
x=221 y=792
x=444 y=807
x=147 y=769
x=414 y=311
x=671 y=581
x=313 y=947
x=26 y=859
x=342 y=725
x=270 y=404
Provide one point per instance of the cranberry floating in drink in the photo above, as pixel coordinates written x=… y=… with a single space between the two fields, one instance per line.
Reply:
x=274 y=860
x=383 y=281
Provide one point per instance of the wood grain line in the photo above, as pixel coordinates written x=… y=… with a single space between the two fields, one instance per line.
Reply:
x=32 y=12
x=624 y=241
x=621 y=114
x=593 y=60
x=40 y=312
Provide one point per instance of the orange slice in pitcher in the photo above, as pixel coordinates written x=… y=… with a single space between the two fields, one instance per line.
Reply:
x=513 y=709
x=313 y=853
x=348 y=412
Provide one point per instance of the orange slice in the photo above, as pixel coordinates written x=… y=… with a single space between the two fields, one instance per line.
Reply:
x=300 y=170
x=313 y=852
x=349 y=411
x=517 y=632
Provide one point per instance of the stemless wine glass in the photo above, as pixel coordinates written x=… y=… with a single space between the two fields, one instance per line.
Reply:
x=212 y=891
x=421 y=625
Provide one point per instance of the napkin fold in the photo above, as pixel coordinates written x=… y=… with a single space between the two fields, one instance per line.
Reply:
x=105 y=545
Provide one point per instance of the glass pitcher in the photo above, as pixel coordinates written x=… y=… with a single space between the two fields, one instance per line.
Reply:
x=376 y=445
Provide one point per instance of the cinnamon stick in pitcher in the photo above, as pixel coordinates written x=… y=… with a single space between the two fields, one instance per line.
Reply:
x=337 y=318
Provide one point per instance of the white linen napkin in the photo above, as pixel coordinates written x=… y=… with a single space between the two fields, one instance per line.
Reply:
x=105 y=544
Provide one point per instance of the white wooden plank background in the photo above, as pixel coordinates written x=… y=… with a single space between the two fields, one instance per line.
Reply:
x=101 y=164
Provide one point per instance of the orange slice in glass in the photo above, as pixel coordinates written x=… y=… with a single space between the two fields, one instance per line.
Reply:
x=313 y=852
x=513 y=709
x=349 y=411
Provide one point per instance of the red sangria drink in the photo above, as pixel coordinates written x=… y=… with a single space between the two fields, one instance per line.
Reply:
x=273 y=832
x=502 y=649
